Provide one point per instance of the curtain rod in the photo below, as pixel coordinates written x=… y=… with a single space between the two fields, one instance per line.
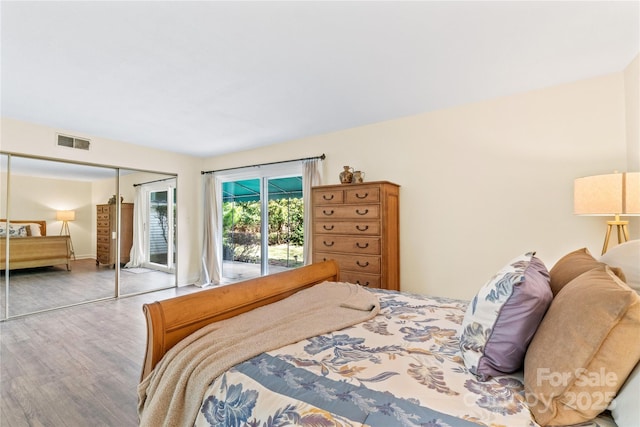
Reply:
x=322 y=157
x=151 y=182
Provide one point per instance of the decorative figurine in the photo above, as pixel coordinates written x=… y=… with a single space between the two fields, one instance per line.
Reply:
x=346 y=176
x=358 y=177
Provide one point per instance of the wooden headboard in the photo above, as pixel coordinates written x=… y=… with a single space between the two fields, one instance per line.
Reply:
x=173 y=319
x=43 y=224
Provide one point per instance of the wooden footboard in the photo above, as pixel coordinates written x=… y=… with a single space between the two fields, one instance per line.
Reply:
x=173 y=319
x=41 y=251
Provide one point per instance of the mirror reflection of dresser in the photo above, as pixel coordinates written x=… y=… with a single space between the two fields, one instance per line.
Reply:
x=106 y=228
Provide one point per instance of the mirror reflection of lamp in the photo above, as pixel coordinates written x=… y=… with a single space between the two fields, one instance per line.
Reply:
x=65 y=217
x=616 y=195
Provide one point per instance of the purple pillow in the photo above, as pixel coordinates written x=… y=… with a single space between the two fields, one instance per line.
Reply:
x=503 y=317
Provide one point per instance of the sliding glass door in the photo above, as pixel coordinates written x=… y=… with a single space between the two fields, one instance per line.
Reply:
x=241 y=229
x=285 y=223
x=262 y=224
x=160 y=235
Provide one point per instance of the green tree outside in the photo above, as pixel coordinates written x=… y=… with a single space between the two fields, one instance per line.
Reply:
x=241 y=235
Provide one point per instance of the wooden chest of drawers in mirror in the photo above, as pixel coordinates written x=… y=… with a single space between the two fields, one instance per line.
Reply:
x=106 y=228
x=358 y=226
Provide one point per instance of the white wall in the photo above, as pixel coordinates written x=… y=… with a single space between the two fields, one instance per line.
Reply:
x=484 y=182
x=32 y=139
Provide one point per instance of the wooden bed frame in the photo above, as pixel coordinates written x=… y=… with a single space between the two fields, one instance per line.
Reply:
x=173 y=319
x=35 y=251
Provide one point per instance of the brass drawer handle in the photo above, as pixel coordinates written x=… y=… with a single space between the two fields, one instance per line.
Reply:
x=366 y=245
x=327 y=213
x=366 y=211
x=366 y=264
x=365 y=228
x=328 y=243
x=328 y=227
x=358 y=283
x=362 y=197
x=324 y=196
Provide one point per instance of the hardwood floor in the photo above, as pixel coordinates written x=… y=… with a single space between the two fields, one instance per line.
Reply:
x=77 y=366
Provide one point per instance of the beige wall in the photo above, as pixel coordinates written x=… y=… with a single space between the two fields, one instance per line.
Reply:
x=632 y=99
x=484 y=182
x=632 y=91
x=480 y=183
x=32 y=139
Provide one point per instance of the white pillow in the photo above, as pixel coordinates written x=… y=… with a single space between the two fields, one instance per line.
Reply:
x=627 y=257
x=35 y=229
x=624 y=407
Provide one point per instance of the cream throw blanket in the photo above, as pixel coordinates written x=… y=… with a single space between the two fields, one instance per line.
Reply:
x=172 y=394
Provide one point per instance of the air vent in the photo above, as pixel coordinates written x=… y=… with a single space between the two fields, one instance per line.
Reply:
x=73 y=142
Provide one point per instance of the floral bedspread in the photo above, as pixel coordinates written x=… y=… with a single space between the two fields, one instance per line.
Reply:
x=402 y=368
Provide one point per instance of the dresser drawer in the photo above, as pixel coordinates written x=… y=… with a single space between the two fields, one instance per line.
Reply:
x=356 y=228
x=368 y=280
x=329 y=196
x=353 y=245
x=103 y=258
x=362 y=195
x=347 y=212
x=360 y=263
x=103 y=238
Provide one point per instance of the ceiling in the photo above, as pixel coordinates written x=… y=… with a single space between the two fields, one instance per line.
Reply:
x=208 y=78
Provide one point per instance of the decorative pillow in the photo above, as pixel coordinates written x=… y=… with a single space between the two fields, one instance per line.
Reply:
x=502 y=318
x=584 y=349
x=627 y=257
x=624 y=407
x=572 y=265
x=15 y=230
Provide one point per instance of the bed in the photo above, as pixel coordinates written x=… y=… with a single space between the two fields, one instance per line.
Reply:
x=30 y=246
x=403 y=359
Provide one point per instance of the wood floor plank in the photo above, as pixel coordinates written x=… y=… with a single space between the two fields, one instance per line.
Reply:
x=75 y=366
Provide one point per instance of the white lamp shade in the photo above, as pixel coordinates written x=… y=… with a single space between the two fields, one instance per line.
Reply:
x=611 y=194
x=66 y=215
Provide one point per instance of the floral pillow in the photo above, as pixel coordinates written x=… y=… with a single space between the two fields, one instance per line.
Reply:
x=503 y=317
x=14 y=230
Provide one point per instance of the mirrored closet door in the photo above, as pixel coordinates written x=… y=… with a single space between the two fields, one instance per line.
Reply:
x=70 y=238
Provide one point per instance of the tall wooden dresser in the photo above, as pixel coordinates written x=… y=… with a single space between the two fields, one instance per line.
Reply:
x=106 y=233
x=358 y=225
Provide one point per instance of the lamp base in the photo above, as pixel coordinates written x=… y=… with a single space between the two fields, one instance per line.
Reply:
x=623 y=232
x=64 y=231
